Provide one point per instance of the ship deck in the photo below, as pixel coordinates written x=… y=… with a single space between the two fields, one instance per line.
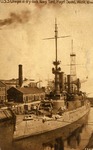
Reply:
x=36 y=126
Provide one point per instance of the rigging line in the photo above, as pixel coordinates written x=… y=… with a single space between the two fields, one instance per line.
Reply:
x=73 y=64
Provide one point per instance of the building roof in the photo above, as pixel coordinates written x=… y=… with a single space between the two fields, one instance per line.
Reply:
x=30 y=90
x=2 y=84
x=10 y=81
x=28 y=82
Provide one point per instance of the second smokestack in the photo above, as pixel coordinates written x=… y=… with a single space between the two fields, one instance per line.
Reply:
x=20 y=75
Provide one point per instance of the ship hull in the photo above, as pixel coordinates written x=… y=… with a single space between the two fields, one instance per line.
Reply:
x=69 y=121
x=40 y=141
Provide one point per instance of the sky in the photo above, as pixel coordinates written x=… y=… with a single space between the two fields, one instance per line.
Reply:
x=23 y=28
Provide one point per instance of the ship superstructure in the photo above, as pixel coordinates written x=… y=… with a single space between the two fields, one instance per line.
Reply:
x=66 y=87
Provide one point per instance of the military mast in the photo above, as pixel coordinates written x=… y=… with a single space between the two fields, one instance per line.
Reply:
x=56 y=70
x=56 y=63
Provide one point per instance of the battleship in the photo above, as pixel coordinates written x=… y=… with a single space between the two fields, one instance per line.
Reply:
x=63 y=108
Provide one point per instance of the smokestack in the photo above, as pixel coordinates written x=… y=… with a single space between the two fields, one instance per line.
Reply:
x=68 y=83
x=20 y=75
x=61 y=81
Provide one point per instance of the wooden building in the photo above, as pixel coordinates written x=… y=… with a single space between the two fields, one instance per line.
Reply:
x=10 y=83
x=2 y=92
x=25 y=94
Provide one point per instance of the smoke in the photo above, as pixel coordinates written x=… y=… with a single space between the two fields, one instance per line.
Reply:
x=20 y=18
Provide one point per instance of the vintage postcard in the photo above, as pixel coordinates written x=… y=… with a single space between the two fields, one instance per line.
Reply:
x=46 y=74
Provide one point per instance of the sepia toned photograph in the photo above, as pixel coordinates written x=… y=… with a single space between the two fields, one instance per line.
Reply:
x=46 y=75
